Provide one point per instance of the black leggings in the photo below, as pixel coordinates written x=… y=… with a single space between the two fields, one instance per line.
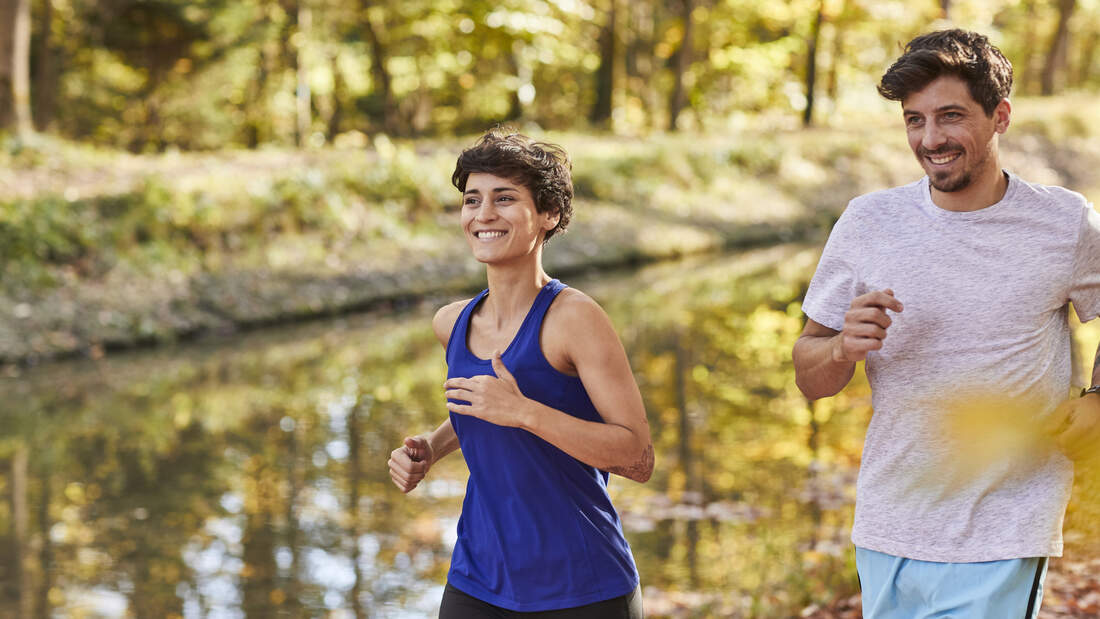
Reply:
x=458 y=605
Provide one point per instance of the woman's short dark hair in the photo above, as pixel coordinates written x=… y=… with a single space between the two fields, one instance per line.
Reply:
x=543 y=168
x=966 y=55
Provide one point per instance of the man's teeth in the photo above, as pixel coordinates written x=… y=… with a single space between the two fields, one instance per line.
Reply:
x=940 y=159
x=489 y=234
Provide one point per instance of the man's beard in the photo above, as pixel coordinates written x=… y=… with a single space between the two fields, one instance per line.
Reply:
x=949 y=185
x=945 y=182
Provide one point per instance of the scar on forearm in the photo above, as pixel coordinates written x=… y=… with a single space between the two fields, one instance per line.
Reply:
x=640 y=470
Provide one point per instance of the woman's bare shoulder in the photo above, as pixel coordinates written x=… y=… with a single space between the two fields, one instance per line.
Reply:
x=576 y=315
x=444 y=321
x=574 y=305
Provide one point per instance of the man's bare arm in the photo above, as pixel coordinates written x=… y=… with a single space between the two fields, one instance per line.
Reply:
x=817 y=373
x=825 y=359
x=1096 y=368
x=1077 y=422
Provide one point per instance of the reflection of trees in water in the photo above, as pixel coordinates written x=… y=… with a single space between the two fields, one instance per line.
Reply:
x=737 y=449
x=20 y=540
x=355 y=477
x=134 y=468
x=255 y=478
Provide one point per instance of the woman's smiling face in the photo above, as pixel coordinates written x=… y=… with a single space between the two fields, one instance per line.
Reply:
x=500 y=219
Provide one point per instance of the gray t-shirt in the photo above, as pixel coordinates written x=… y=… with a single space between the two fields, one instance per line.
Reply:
x=955 y=464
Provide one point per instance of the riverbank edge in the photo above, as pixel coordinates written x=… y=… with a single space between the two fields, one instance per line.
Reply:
x=639 y=201
x=163 y=311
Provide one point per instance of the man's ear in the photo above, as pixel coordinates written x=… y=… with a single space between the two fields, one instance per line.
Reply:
x=1002 y=116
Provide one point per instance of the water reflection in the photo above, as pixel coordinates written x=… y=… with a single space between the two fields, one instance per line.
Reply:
x=247 y=478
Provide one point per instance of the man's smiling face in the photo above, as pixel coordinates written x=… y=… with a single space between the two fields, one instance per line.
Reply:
x=951 y=135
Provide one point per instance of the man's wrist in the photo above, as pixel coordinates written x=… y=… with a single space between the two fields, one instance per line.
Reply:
x=836 y=349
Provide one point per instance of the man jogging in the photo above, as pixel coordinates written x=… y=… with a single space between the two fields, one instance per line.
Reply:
x=955 y=291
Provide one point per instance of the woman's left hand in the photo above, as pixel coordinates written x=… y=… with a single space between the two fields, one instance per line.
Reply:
x=496 y=399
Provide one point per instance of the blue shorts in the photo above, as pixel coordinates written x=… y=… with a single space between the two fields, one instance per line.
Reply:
x=910 y=589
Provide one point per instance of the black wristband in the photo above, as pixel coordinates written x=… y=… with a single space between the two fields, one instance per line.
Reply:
x=1092 y=389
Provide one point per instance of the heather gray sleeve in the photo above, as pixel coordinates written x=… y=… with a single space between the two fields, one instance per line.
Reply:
x=1084 y=288
x=836 y=280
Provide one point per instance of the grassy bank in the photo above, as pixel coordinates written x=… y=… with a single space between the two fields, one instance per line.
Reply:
x=104 y=250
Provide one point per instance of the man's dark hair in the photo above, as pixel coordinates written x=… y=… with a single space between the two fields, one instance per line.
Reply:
x=543 y=168
x=966 y=55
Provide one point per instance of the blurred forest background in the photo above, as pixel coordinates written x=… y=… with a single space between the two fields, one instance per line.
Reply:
x=174 y=167
x=180 y=181
x=152 y=75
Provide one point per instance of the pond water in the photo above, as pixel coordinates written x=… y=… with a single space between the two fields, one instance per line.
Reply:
x=246 y=477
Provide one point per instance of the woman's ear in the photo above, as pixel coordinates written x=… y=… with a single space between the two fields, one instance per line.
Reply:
x=550 y=220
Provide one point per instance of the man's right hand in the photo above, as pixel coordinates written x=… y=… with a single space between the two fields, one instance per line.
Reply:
x=410 y=462
x=865 y=326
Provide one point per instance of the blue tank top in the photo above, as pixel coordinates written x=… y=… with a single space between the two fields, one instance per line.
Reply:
x=537 y=531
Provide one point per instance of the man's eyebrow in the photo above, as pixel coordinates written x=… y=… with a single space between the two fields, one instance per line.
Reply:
x=942 y=108
x=951 y=107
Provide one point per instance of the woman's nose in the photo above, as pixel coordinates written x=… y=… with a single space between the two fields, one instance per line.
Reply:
x=486 y=212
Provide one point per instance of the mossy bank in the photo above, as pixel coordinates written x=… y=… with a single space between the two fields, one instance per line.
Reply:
x=102 y=250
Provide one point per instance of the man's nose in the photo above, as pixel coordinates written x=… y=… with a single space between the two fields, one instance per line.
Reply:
x=933 y=137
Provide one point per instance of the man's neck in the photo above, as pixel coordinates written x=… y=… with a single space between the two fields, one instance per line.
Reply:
x=978 y=195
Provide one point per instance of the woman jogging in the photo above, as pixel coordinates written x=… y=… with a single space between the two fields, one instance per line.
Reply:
x=542 y=403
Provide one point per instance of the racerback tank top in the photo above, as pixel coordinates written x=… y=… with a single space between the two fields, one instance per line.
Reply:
x=538 y=530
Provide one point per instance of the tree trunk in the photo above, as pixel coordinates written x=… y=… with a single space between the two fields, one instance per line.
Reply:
x=945 y=7
x=21 y=68
x=255 y=108
x=7 y=36
x=336 y=119
x=1056 y=56
x=642 y=62
x=683 y=61
x=288 y=55
x=811 y=64
x=301 y=93
x=605 y=74
x=15 y=41
x=1026 y=75
x=45 y=77
x=523 y=76
x=379 y=73
x=1084 y=68
x=420 y=117
x=832 y=83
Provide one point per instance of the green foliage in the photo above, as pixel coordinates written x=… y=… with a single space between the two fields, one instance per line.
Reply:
x=49 y=229
x=154 y=75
